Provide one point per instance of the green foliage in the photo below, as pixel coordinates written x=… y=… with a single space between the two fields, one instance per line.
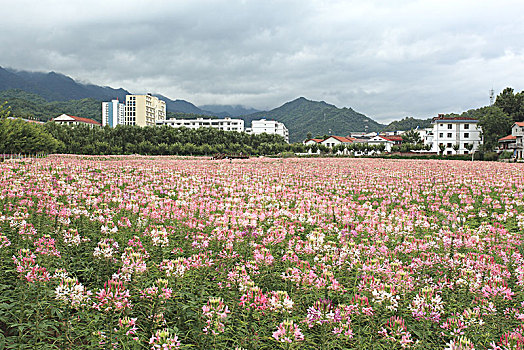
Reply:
x=412 y=136
x=19 y=136
x=31 y=106
x=5 y=111
x=165 y=140
x=408 y=123
x=512 y=104
x=495 y=124
x=302 y=116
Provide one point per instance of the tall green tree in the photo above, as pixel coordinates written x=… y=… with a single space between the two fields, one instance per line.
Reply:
x=495 y=124
x=412 y=136
x=512 y=104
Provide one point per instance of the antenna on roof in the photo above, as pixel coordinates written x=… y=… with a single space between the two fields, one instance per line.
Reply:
x=491 y=96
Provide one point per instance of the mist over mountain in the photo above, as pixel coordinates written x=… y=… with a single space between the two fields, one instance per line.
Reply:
x=229 y=110
x=35 y=93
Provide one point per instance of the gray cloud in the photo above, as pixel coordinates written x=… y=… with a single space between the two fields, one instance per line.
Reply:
x=387 y=59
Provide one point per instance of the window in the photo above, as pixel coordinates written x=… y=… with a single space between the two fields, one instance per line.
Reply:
x=441 y=135
x=466 y=135
x=441 y=124
x=466 y=126
x=449 y=135
x=449 y=152
x=448 y=145
x=450 y=126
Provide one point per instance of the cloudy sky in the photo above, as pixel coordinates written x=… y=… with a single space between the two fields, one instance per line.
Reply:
x=387 y=59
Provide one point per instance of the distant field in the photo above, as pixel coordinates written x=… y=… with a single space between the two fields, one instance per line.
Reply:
x=163 y=253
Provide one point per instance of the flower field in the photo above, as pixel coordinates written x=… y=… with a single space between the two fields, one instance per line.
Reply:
x=167 y=253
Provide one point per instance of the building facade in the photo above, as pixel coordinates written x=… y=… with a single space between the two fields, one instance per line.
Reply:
x=515 y=141
x=113 y=113
x=269 y=127
x=226 y=124
x=144 y=110
x=454 y=134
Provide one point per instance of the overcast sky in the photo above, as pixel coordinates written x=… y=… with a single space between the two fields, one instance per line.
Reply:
x=387 y=59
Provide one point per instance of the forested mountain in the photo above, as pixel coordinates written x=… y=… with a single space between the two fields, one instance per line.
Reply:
x=58 y=87
x=303 y=116
x=408 y=123
x=31 y=106
x=46 y=95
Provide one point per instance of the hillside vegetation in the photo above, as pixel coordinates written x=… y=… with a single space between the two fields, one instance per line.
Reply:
x=303 y=116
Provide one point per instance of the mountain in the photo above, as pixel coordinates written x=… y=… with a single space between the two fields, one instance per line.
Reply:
x=408 y=123
x=57 y=87
x=229 y=110
x=54 y=86
x=31 y=106
x=181 y=106
x=302 y=116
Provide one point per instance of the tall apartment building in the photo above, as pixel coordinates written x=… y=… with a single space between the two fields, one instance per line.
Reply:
x=450 y=131
x=226 y=124
x=144 y=110
x=269 y=127
x=112 y=113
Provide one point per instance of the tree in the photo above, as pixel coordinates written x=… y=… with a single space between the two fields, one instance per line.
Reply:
x=441 y=147
x=309 y=136
x=456 y=148
x=5 y=111
x=412 y=136
x=469 y=147
x=512 y=104
x=495 y=124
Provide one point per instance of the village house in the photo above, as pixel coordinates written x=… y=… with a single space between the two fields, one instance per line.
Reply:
x=72 y=120
x=515 y=141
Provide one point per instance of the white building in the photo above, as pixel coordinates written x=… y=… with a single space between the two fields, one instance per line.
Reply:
x=113 y=113
x=226 y=124
x=269 y=127
x=449 y=131
x=381 y=140
x=333 y=141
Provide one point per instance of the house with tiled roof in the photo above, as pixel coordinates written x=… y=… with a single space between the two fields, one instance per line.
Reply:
x=72 y=120
x=332 y=141
x=515 y=141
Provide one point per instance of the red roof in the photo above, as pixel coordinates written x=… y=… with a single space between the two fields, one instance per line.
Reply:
x=84 y=120
x=508 y=138
x=393 y=138
x=442 y=117
x=343 y=139
x=316 y=140
x=520 y=123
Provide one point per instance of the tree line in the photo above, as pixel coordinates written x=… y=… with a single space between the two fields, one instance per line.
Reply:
x=164 y=140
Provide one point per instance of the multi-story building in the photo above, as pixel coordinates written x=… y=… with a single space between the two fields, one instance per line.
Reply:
x=269 y=127
x=454 y=133
x=144 y=110
x=113 y=113
x=226 y=124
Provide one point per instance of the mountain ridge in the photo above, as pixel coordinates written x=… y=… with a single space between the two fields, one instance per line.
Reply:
x=301 y=116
